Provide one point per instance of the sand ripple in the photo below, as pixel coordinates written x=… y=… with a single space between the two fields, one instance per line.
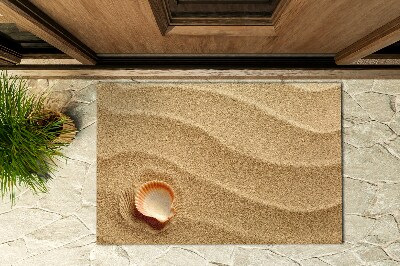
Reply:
x=244 y=163
x=267 y=144
x=205 y=204
x=235 y=121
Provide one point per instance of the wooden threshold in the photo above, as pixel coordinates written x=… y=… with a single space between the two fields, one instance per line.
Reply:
x=378 y=39
x=74 y=72
x=32 y=19
x=209 y=67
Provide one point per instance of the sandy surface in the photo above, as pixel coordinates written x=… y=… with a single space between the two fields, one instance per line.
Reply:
x=249 y=163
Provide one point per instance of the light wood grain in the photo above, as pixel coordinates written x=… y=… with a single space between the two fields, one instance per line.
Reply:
x=129 y=27
x=5 y=19
x=204 y=74
x=221 y=30
x=378 y=39
x=46 y=32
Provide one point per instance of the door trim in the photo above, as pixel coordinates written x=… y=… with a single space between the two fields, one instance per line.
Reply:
x=32 y=19
x=376 y=40
x=10 y=52
x=201 y=26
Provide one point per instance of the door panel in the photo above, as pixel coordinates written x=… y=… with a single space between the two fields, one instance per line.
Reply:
x=129 y=27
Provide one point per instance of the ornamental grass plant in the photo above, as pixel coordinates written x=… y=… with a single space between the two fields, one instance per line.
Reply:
x=28 y=138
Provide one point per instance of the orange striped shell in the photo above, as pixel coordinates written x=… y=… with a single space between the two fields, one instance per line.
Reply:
x=155 y=199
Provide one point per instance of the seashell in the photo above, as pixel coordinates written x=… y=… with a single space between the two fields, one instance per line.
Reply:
x=155 y=199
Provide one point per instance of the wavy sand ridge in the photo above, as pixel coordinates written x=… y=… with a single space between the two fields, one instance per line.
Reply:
x=245 y=166
x=236 y=123
x=316 y=109
x=196 y=151
x=227 y=217
x=313 y=106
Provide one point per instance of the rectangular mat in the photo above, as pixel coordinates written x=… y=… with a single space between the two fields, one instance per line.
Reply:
x=248 y=163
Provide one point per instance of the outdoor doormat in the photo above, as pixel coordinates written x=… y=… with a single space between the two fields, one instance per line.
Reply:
x=219 y=163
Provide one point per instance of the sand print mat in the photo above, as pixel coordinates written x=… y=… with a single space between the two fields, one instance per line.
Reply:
x=249 y=163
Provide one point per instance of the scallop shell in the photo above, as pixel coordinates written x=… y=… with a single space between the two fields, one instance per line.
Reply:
x=155 y=199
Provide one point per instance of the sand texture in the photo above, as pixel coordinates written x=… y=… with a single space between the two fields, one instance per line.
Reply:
x=250 y=163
